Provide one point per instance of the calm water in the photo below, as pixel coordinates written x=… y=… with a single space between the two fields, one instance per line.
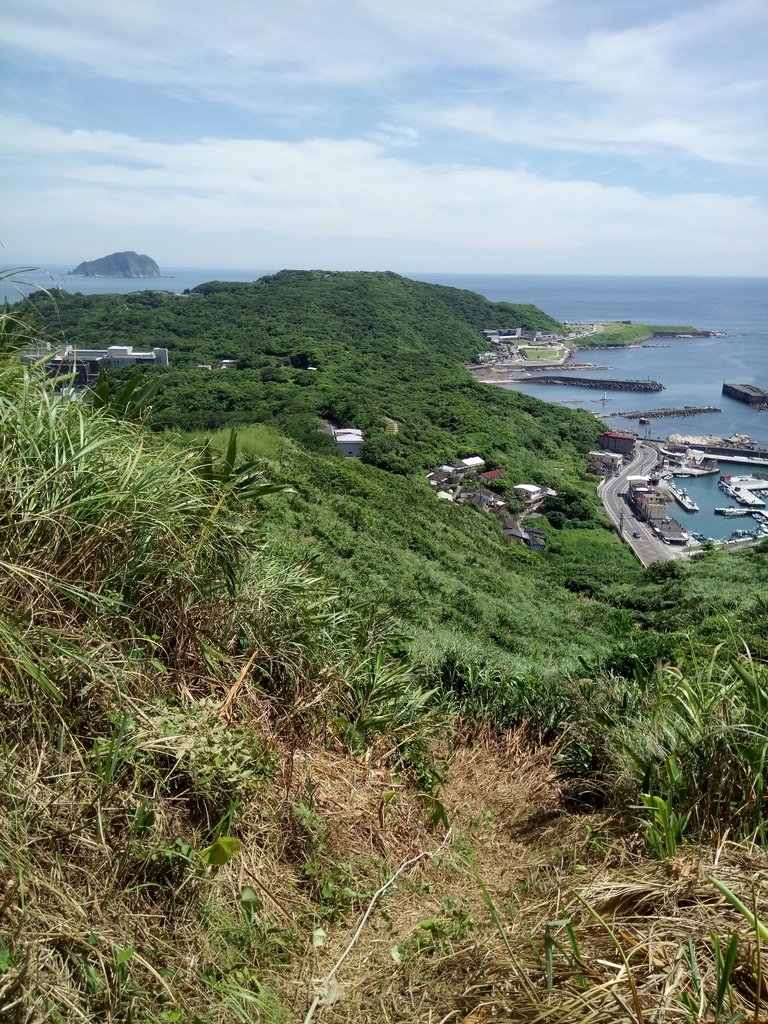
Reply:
x=708 y=496
x=692 y=370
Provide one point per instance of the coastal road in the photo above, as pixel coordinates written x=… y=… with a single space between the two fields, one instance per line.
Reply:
x=647 y=546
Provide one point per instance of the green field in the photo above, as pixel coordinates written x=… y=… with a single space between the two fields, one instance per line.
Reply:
x=543 y=355
x=626 y=334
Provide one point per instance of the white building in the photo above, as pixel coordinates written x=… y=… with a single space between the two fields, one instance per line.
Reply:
x=349 y=441
x=114 y=355
x=528 y=492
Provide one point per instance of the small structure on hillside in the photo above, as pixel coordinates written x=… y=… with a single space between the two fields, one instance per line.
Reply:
x=349 y=441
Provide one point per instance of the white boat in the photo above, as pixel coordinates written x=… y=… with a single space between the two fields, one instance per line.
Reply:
x=731 y=511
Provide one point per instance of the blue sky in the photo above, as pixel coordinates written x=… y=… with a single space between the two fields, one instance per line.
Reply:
x=508 y=136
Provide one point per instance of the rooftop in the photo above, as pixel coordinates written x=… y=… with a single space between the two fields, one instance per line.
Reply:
x=750 y=389
x=348 y=434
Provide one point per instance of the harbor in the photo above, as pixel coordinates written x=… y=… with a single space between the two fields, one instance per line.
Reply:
x=729 y=507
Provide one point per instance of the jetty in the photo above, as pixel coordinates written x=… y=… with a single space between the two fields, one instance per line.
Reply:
x=750 y=394
x=601 y=384
x=682 y=497
x=689 y=334
x=648 y=414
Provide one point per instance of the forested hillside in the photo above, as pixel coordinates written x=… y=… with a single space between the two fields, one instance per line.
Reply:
x=382 y=346
x=288 y=739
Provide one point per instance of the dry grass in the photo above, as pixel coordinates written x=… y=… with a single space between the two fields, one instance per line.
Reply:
x=645 y=933
x=85 y=888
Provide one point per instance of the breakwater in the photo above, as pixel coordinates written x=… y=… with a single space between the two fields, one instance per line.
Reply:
x=602 y=384
x=689 y=334
x=643 y=414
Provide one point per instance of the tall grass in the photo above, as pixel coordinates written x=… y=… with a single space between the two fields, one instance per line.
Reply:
x=154 y=652
x=689 y=743
x=99 y=525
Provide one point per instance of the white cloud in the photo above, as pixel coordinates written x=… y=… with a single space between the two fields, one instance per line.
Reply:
x=412 y=95
x=228 y=192
x=680 y=76
x=610 y=132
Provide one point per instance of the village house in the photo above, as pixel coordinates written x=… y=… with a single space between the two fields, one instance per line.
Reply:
x=604 y=462
x=615 y=441
x=486 y=499
x=85 y=364
x=455 y=472
x=536 y=540
x=649 y=503
x=533 y=492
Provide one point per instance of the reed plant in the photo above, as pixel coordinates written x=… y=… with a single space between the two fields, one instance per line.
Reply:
x=687 y=744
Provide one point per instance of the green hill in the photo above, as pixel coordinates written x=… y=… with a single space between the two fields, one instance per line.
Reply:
x=256 y=738
x=118 y=264
x=369 y=350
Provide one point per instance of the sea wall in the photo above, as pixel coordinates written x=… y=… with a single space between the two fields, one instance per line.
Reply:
x=602 y=384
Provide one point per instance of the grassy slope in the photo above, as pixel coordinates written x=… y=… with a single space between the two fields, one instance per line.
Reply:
x=389 y=347
x=183 y=682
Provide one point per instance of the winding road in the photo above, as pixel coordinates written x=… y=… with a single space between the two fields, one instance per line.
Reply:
x=647 y=546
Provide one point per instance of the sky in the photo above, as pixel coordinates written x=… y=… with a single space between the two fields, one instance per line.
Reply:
x=459 y=136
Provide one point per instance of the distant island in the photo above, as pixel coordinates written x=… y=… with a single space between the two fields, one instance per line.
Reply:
x=119 y=264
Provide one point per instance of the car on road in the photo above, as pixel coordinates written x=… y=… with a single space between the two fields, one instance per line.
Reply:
x=635 y=534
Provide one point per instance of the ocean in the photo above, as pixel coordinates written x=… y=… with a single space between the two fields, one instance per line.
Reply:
x=692 y=370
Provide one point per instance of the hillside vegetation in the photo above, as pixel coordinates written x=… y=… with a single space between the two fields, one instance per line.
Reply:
x=233 y=714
